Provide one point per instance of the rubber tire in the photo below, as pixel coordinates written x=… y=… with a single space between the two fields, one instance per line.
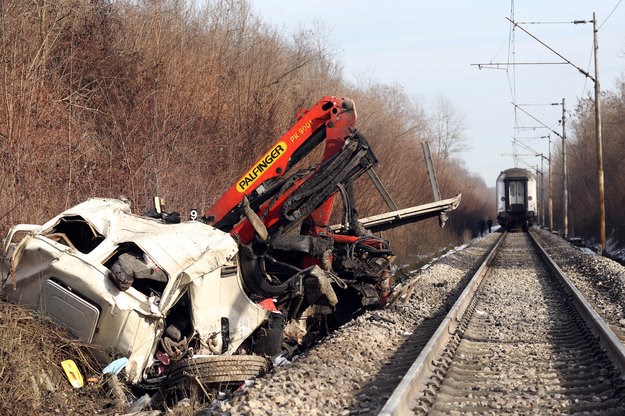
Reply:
x=217 y=369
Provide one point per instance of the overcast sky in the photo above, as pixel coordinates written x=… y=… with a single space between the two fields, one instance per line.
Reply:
x=430 y=47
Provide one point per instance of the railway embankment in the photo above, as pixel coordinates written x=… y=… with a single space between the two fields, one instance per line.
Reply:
x=355 y=370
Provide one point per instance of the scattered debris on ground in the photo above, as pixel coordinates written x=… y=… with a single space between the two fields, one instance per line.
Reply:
x=32 y=379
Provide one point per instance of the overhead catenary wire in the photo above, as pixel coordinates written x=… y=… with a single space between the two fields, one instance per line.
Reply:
x=549 y=23
x=610 y=15
x=512 y=61
x=585 y=73
x=512 y=51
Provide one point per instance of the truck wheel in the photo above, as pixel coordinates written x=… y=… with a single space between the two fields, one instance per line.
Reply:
x=217 y=369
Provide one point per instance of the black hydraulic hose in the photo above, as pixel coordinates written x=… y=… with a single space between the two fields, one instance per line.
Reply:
x=255 y=277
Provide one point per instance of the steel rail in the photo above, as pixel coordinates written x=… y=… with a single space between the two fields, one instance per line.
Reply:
x=614 y=347
x=414 y=380
x=417 y=375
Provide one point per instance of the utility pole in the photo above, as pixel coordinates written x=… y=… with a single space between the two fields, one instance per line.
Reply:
x=542 y=197
x=595 y=79
x=542 y=187
x=565 y=179
x=542 y=190
x=602 y=236
x=550 y=188
x=564 y=168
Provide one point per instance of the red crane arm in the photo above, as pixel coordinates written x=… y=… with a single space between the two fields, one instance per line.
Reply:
x=330 y=119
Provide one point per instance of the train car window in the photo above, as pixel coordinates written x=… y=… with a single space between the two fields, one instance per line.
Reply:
x=513 y=193
x=516 y=192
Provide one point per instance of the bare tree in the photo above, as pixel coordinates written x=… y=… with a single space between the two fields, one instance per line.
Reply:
x=169 y=98
x=448 y=129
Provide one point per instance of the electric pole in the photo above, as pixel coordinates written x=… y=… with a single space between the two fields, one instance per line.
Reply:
x=602 y=236
x=565 y=179
x=550 y=188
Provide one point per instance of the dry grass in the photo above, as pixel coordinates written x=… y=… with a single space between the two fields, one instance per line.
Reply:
x=32 y=381
x=31 y=378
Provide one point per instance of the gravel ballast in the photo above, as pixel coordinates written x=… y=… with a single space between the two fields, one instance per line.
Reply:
x=346 y=372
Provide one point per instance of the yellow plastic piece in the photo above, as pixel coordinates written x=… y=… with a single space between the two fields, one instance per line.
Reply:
x=72 y=373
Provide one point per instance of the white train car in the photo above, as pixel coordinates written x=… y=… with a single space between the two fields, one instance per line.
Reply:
x=517 y=198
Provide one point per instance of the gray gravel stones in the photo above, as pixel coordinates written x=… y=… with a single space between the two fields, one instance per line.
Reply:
x=601 y=280
x=335 y=377
x=525 y=350
x=341 y=374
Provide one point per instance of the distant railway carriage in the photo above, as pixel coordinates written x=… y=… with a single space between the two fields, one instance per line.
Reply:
x=517 y=201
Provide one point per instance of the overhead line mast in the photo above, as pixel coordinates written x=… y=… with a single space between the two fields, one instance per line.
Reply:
x=598 y=126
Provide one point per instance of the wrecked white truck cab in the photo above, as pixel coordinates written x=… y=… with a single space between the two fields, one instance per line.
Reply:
x=260 y=274
x=186 y=301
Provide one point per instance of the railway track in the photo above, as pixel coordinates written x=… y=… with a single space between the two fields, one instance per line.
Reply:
x=518 y=340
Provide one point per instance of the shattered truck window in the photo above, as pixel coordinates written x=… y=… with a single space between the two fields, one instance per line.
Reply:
x=76 y=232
x=131 y=267
x=178 y=329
